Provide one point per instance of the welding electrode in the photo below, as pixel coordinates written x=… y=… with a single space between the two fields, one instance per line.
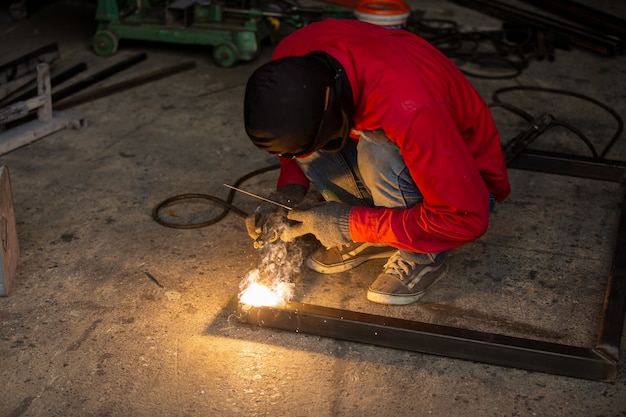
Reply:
x=257 y=196
x=269 y=235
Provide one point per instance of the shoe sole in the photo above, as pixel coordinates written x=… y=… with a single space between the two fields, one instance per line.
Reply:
x=343 y=266
x=402 y=299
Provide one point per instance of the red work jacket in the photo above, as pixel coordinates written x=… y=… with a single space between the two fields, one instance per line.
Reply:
x=427 y=107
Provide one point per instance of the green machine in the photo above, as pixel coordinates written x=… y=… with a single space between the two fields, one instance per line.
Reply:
x=234 y=34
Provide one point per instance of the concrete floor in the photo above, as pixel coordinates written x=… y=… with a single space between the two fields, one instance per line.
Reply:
x=85 y=332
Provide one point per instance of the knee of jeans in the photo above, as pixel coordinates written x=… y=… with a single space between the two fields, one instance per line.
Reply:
x=374 y=158
x=366 y=162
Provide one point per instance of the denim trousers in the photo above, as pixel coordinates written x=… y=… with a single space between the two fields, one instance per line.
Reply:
x=368 y=173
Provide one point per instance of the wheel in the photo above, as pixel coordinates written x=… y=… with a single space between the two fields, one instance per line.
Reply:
x=226 y=54
x=104 y=43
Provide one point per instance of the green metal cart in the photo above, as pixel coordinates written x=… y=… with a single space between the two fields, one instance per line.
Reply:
x=234 y=34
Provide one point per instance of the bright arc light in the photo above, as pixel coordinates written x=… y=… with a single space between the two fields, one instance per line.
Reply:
x=258 y=295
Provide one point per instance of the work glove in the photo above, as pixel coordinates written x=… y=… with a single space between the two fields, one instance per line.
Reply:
x=329 y=222
x=268 y=214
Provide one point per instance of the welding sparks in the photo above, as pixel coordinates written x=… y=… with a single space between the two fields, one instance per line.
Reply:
x=259 y=295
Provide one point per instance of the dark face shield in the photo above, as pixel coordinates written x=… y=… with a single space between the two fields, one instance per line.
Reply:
x=298 y=105
x=333 y=130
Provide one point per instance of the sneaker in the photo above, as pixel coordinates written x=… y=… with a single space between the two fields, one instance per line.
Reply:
x=345 y=257
x=404 y=281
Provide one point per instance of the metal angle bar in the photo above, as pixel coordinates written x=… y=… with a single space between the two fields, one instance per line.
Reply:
x=614 y=311
x=570 y=165
x=429 y=338
x=595 y=363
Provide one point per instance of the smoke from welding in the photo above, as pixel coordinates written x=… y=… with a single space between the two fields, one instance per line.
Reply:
x=279 y=262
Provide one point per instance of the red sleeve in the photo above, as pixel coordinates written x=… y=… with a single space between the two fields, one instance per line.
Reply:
x=455 y=210
x=290 y=173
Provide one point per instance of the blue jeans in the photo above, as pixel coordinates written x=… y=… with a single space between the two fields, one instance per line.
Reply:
x=370 y=173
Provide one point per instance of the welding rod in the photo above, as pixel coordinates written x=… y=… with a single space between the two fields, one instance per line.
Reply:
x=257 y=196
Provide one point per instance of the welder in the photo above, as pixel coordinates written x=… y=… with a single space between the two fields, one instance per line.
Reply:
x=402 y=148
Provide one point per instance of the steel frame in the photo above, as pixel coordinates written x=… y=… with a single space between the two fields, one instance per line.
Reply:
x=46 y=122
x=581 y=37
x=598 y=362
x=587 y=16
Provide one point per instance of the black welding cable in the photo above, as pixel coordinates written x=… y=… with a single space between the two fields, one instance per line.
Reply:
x=507 y=58
x=513 y=109
x=512 y=70
x=464 y=47
x=433 y=30
x=573 y=129
x=554 y=122
x=226 y=204
x=620 y=123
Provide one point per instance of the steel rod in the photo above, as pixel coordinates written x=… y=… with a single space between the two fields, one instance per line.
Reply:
x=99 y=76
x=257 y=196
x=124 y=85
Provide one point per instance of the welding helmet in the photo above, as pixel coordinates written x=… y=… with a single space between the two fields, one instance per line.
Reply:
x=294 y=106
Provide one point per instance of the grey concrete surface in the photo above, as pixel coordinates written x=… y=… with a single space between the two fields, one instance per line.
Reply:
x=85 y=332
